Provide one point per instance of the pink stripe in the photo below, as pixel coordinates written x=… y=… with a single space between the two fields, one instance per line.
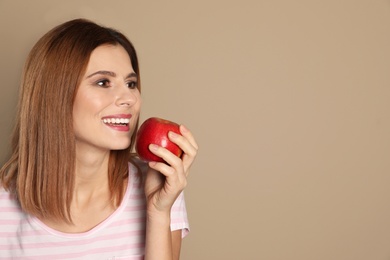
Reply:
x=135 y=208
x=75 y=243
x=11 y=209
x=176 y=209
x=10 y=222
x=128 y=221
x=4 y=195
x=26 y=233
x=12 y=234
x=84 y=253
x=139 y=196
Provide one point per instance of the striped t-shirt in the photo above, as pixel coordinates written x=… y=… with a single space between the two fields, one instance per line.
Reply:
x=120 y=236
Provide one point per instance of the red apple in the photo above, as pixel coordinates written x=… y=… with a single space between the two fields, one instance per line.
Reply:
x=155 y=131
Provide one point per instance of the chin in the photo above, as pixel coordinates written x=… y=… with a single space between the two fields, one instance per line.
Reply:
x=121 y=146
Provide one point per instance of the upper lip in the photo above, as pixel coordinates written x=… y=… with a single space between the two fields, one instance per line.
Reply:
x=118 y=116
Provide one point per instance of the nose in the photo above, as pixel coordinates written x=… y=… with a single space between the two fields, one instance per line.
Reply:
x=127 y=97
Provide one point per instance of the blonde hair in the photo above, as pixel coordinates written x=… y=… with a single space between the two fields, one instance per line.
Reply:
x=40 y=171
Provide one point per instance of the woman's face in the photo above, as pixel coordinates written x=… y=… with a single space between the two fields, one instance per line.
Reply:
x=107 y=102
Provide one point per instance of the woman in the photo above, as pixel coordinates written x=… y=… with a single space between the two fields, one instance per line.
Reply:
x=71 y=188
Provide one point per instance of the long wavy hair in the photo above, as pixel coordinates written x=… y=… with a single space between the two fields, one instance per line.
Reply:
x=40 y=172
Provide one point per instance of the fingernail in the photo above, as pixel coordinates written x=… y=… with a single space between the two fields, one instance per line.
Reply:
x=173 y=134
x=152 y=164
x=183 y=128
x=153 y=147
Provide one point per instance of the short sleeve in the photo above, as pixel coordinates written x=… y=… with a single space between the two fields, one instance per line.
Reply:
x=179 y=218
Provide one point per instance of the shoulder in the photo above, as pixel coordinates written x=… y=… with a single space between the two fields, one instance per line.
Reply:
x=10 y=208
x=7 y=199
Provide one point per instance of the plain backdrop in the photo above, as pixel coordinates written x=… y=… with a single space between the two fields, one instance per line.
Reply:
x=290 y=104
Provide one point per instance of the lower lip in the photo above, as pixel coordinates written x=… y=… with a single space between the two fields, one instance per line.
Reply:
x=122 y=128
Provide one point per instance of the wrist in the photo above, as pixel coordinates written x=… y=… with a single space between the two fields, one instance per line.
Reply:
x=158 y=217
x=158 y=243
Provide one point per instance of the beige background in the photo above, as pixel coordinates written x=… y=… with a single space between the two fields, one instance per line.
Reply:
x=290 y=103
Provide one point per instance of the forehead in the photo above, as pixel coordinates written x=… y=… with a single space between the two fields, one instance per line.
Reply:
x=110 y=57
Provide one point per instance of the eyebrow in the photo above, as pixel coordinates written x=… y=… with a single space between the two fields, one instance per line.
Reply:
x=110 y=73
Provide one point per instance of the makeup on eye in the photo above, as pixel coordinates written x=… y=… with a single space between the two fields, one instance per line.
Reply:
x=130 y=80
x=132 y=84
x=103 y=83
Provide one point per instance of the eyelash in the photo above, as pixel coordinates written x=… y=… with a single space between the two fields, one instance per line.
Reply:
x=132 y=84
x=105 y=83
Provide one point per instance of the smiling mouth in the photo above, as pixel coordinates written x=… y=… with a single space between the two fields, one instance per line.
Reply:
x=116 y=121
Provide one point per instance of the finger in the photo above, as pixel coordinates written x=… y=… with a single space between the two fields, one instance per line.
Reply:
x=154 y=181
x=183 y=143
x=174 y=171
x=189 y=151
x=186 y=142
x=175 y=181
x=167 y=156
x=162 y=168
x=187 y=134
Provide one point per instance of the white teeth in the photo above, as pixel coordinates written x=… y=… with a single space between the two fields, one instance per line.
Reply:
x=116 y=120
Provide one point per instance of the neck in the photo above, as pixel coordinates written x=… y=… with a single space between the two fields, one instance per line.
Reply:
x=91 y=177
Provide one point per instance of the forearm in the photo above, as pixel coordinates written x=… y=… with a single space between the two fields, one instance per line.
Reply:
x=163 y=184
x=158 y=237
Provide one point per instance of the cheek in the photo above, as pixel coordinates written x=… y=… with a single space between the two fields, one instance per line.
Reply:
x=138 y=104
x=87 y=105
x=77 y=110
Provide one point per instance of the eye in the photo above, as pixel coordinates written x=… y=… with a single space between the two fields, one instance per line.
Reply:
x=132 y=84
x=105 y=83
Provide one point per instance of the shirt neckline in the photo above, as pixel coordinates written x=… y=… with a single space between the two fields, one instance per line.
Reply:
x=102 y=224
